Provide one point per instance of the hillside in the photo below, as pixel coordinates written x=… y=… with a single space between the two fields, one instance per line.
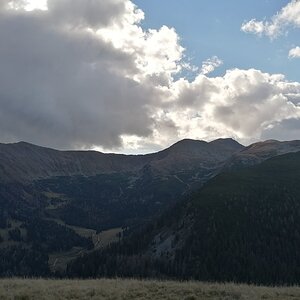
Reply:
x=258 y=152
x=241 y=226
x=139 y=290
x=58 y=205
x=55 y=205
x=24 y=162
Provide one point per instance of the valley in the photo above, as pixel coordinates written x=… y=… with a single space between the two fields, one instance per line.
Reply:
x=83 y=214
x=64 y=202
x=241 y=226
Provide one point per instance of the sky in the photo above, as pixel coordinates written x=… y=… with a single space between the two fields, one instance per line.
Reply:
x=136 y=76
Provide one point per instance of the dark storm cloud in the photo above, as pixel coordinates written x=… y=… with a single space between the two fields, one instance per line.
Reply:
x=91 y=13
x=67 y=86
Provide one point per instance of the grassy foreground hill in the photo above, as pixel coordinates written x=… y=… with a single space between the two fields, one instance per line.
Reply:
x=18 y=289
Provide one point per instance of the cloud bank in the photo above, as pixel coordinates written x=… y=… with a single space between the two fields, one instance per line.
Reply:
x=85 y=74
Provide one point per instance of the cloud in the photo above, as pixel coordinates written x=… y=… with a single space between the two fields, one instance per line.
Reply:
x=91 y=13
x=286 y=130
x=241 y=104
x=66 y=84
x=85 y=74
x=287 y=16
x=294 y=53
x=209 y=65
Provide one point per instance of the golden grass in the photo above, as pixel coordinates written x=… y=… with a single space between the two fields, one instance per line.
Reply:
x=40 y=289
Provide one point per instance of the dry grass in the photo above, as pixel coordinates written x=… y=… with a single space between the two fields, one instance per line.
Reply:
x=18 y=289
x=58 y=261
x=106 y=237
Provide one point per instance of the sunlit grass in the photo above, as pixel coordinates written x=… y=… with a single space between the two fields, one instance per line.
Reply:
x=19 y=289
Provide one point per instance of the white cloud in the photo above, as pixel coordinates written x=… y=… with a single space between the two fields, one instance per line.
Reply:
x=85 y=74
x=287 y=16
x=28 y=5
x=240 y=104
x=294 y=53
x=254 y=26
x=209 y=65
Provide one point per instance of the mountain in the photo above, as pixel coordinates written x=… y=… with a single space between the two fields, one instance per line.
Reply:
x=102 y=191
x=258 y=152
x=25 y=162
x=55 y=204
x=58 y=205
x=241 y=226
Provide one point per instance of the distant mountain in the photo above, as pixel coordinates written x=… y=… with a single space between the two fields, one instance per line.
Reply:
x=191 y=154
x=241 y=226
x=57 y=205
x=258 y=152
x=59 y=201
x=26 y=162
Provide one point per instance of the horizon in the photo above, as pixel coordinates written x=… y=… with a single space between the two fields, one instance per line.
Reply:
x=149 y=153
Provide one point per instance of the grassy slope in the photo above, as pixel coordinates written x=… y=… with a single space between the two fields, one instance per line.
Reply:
x=58 y=261
x=134 y=289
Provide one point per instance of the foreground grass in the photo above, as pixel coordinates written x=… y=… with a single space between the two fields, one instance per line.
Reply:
x=18 y=289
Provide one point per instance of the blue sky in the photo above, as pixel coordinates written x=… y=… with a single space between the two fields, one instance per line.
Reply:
x=208 y=28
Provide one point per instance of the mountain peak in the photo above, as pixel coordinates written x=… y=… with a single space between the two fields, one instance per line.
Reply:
x=226 y=142
x=190 y=142
x=221 y=142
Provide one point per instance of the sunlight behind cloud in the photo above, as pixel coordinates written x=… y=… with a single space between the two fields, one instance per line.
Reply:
x=36 y=4
x=28 y=5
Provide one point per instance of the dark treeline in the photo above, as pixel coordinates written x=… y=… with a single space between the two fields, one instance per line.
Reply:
x=112 y=200
x=243 y=226
x=21 y=261
x=25 y=250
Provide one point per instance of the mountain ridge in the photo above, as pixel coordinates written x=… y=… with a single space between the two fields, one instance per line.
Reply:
x=36 y=162
x=241 y=226
x=260 y=151
x=61 y=200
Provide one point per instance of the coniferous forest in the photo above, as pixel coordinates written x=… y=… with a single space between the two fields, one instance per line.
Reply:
x=235 y=220
x=242 y=226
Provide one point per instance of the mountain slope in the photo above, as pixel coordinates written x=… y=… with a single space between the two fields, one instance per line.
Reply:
x=102 y=191
x=241 y=226
x=258 y=152
x=26 y=162
x=57 y=202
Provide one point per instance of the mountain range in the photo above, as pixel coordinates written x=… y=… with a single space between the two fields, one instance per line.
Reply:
x=59 y=205
x=241 y=226
x=25 y=162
